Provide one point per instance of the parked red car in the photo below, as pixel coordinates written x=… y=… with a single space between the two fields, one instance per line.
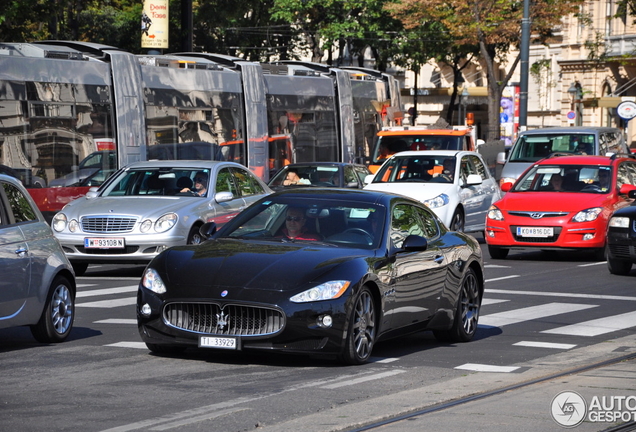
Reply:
x=561 y=202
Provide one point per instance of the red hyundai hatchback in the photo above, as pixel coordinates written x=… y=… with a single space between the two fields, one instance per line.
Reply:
x=560 y=203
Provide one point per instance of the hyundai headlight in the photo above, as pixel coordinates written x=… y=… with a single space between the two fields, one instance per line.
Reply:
x=326 y=291
x=165 y=222
x=495 y=214
x=619 y=222
x=152 y=281
x=437 y=202
x=587 y=215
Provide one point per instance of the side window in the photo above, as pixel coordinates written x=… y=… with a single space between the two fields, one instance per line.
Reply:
x=349 y=175
x=431 y=228
x=603 y=143
x=465 y=168
x=479 y=167
x=225 y=182
x=626 y=174
x=404 y=222
x=19 y=204
x=362 y=174
x=246 y=183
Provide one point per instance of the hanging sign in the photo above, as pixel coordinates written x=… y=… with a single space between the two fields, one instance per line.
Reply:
x=154 y=24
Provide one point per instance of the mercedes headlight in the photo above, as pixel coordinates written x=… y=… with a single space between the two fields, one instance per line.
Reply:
x=59 y=222
x=165 y=222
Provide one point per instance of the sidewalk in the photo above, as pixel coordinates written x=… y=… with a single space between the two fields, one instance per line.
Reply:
x=527 y=408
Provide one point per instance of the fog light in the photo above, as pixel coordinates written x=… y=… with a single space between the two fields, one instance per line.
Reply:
x=325 y=321
x=588 y=236
x=491 y=233
x=146 y=310
x=161 y=248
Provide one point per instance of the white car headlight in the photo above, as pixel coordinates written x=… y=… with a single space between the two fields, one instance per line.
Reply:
x=73 y=225
x=59 y=222
x=145 y=226
x=438 y=201
x=165 y=222
x=587 y=215
x=495 y=214
x=326 y=291
x=152 y=281
x=619 y=222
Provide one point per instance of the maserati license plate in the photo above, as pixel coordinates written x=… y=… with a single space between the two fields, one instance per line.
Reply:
x=217 y=342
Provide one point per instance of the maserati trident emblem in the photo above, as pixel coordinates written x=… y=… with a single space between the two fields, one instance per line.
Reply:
x=536 y=215
x=221 y=321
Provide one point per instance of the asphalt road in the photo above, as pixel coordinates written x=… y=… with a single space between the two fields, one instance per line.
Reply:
x=543 y=315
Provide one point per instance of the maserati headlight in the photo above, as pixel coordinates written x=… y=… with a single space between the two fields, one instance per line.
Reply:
x=619 y=222
x=438 y=201
x=59 y=222
x=152 y=281
x=495 y=214
x=587 y=215
x=165 y=222
x=326 y=291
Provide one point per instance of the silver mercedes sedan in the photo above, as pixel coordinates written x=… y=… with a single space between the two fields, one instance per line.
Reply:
x=147 y=207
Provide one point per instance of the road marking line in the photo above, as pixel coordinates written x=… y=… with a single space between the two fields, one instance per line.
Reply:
x=559 y=294
x=492 y=301
x=593 y=264
x=486 y=368
x=530 y=313
x=385 y=360
x=597 y=326
x=108 y=291
x=116 y=321
x=138 y=345
x=502 y=278
x=362 y=379
x=544 y=345
x=495 y=266
x=106 y=304
x=85 y=285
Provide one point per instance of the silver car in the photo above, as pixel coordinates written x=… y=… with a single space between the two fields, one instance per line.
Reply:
x=37 y=287
x=147 y=207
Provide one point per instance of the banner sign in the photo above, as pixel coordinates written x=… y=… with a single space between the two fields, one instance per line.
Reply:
x=154 y=24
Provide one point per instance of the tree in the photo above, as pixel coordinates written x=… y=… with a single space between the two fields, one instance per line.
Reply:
x=494 y=26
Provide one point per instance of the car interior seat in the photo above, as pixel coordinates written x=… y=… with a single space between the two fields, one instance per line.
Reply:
x=184 y=182
x=335 y=223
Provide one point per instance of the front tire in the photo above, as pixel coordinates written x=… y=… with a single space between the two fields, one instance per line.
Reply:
x=79 y=268
x=466 y=313
x=57 y=318
x=362 y=330
x=497 y=252
x=194 y=237
x=619 y=267
x=457 y=222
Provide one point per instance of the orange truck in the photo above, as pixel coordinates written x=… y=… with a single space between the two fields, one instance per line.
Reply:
x=392 y=140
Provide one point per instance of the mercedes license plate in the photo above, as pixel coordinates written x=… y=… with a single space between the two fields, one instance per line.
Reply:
x=104 y=243
x=535 y=231
x=217 y=342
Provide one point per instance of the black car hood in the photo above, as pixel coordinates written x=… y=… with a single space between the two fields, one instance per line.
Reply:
x=241 y=264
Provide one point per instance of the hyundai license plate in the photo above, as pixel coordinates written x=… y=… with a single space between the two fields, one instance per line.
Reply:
x=217 y=342
x=104 y=243
x=535 y=231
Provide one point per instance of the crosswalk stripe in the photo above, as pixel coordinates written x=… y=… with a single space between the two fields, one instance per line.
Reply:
x=138 y=345
x=106 y=304
x=116 y=321
x=530 y=313
x=597 y=326
x=488 y=301
x=486 y=368
x=107 y=291
x=544 y=345
x=560 y=294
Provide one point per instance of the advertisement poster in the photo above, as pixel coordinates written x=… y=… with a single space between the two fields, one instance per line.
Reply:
x=509 y=115
x=154 y=24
